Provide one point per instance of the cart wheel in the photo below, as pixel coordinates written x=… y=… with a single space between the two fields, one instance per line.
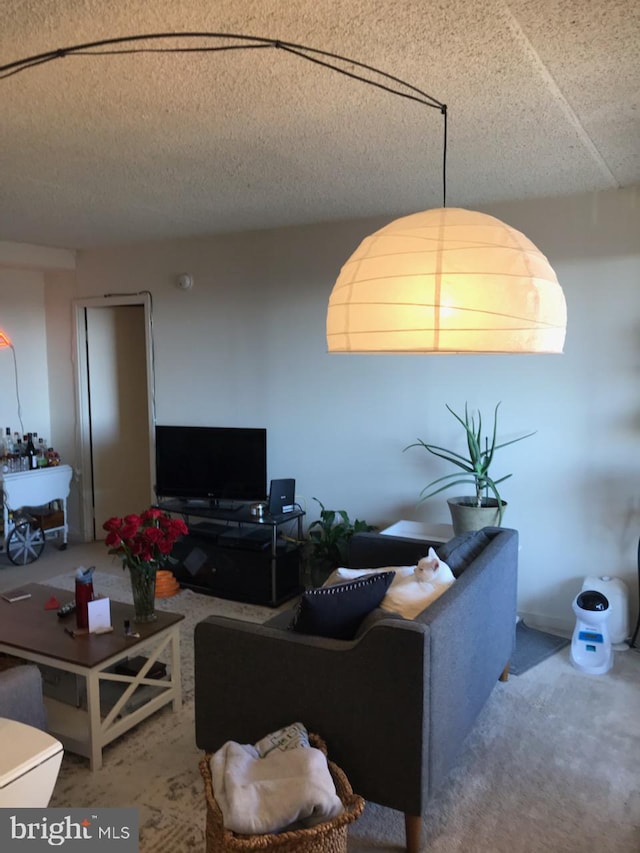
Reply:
x=25 y=543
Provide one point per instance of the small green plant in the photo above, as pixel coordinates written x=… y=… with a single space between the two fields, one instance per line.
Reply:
x=476 y=465
x=330 y=534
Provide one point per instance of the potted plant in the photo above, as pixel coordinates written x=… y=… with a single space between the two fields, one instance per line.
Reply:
x=486 y=507
x=328 y=541
x=144 y=544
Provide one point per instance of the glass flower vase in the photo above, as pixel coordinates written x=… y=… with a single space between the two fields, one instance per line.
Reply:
x=143 y=588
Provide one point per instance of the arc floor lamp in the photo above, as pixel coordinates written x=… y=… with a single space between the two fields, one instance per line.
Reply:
x=446 y=280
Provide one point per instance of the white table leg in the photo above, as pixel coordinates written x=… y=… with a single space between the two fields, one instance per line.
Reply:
x=176 y=675
x=93 y=711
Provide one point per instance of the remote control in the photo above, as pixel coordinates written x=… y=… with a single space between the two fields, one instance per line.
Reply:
x=68 y=608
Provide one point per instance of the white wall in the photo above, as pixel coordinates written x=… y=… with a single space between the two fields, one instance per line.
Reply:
x=246 y=347
x=22 y=317
x=60 y=286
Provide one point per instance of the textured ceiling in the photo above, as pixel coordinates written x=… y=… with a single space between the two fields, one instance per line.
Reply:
x=543 y=99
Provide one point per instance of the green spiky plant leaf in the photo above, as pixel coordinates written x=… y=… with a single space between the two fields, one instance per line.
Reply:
x=474 y=468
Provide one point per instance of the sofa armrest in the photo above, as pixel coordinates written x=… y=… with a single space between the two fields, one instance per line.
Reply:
x=472 y=630
x=367 y=698
x=21 y=696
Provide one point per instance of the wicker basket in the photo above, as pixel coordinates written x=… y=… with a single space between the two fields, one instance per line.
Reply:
x=329 y=837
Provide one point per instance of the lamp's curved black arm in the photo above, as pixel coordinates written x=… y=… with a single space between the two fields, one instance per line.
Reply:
x=325 y=58
x=310 y=53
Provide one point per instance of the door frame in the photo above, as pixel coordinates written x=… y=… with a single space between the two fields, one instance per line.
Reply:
x=85 y=474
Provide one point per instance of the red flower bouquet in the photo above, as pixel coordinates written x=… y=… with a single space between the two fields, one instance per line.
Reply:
x=144 y=541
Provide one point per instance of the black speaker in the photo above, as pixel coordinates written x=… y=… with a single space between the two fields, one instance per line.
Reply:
x=282 y=495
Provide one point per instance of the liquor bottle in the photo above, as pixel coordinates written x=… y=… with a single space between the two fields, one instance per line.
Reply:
x=8 y=442
x=53 y=457
x=42 y=455
x=31 y=453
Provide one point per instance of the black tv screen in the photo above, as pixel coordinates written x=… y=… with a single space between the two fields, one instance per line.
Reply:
x=228 y=463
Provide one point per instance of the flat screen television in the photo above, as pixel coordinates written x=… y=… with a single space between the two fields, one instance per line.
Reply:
x=219 y=463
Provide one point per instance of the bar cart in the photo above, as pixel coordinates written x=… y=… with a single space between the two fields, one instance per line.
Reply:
x=34 y=508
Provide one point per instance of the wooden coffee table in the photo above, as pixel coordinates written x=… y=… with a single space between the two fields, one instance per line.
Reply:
x=30 y=632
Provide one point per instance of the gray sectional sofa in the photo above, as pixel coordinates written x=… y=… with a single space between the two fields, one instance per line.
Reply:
x=21 y=695
x=395 y=704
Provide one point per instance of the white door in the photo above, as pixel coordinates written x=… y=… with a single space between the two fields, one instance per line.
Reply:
x=116 y=431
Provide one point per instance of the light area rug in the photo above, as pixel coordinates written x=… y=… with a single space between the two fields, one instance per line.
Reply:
x=552 y=765
x=154 y=767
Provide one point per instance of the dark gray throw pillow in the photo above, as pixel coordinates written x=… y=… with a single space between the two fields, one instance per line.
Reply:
x=458 y=552
x=337 y=611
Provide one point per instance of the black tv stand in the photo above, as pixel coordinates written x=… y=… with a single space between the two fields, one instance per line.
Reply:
x=226 y=505
x=207 y=503
x=231 y=553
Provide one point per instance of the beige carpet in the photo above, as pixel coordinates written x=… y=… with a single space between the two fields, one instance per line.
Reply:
x=553 y=765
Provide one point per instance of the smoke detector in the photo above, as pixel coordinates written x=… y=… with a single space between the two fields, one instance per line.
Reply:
x=185 y=281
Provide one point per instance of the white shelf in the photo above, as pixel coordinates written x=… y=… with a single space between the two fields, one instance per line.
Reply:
x=420 y=530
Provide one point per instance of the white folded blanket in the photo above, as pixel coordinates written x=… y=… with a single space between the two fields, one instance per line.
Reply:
x=260 y=795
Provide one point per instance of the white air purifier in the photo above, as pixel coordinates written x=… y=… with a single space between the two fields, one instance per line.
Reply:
x=591 y=649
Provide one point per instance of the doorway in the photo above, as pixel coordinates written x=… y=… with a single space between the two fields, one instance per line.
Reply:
x=116 y=418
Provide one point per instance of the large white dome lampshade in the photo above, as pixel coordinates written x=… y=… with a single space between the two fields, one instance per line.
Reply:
x=447 y=281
